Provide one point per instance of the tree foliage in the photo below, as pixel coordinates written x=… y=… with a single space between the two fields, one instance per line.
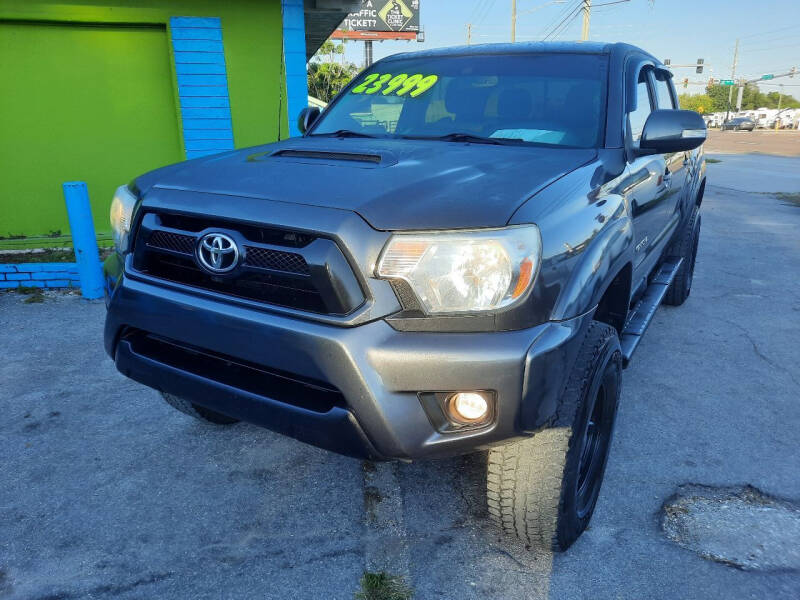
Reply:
x=715 y=99
x=701 y=103
x=329 y=72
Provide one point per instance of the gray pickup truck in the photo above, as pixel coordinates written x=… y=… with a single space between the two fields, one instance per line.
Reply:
x=460 y=254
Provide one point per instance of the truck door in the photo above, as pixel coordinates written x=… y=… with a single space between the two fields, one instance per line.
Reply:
x=676 y=163
x=646 y=189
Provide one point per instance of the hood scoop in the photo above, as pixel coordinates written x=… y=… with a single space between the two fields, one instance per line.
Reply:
x=331 y=157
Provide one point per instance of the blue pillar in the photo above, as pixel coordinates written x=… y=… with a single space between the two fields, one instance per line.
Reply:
x=79 y=212
x=294 y=57
x=202 y=84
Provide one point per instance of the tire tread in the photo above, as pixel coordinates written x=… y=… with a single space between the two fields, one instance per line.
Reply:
x=525 y=479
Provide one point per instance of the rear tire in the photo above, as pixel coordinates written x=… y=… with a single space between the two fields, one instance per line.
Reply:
x=543 y=489
x=197 y=411
x=686 y=248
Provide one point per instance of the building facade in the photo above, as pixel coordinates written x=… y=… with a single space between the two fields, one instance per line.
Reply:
x=103 y=90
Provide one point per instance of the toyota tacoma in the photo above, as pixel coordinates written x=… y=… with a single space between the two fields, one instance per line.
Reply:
x=461 y=253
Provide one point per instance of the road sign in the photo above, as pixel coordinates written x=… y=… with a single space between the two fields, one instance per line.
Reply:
x=726 y=81
x=769 y=76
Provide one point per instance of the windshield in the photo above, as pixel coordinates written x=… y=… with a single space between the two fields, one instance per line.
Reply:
x=544 y=99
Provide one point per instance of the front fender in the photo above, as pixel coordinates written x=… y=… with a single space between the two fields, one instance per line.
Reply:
x=587 y=238
x=604 y=256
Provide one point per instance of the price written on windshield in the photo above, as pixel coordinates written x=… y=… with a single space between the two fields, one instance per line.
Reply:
x=400 y=84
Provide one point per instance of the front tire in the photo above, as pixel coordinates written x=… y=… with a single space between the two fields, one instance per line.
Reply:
x=197 y=411
x=543 y=489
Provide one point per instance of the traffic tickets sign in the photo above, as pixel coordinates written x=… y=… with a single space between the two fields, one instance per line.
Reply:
x=383 y=16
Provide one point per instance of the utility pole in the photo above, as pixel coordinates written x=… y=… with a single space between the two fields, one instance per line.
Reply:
x=513 y=21
x=469 y=33
x=587 y=13
x=733 y=76
x=367 y=53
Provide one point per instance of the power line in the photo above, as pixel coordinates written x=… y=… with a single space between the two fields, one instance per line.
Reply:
x=609 y=3
x=560 y=15
x=745 y=37
x=476 y=9
x=795 y=45
x=489 y=8
x=565 y=21
x=771 y=39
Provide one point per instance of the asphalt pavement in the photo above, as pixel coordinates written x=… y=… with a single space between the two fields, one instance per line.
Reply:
x=106 y=492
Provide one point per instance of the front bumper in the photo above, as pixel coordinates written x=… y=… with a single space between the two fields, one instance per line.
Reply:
x=378 y=370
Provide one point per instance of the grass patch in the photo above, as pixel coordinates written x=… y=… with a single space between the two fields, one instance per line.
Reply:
x=54 y=255
x=712 y=161
x=24 y=289
x=789 y=198
x=35 y=295
x=383 y=586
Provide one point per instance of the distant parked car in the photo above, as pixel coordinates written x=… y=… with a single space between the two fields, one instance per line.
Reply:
x=739 y=124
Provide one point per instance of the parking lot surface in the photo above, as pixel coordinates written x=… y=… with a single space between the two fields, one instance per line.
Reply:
x=106 y=492
x=783 y=142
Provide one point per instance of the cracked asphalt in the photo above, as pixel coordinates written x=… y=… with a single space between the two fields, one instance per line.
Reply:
x=106 y=492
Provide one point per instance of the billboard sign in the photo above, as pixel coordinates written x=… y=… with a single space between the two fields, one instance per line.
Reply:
x=381 y=19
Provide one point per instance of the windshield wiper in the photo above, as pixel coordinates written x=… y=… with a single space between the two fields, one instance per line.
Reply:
x=465 y=137
x=343 y=133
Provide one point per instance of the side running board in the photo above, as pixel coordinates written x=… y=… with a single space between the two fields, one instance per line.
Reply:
x=641 y=315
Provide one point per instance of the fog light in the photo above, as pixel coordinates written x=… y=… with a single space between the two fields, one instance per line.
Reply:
x=468 y=407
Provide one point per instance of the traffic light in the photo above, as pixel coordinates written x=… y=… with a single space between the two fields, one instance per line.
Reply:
x=699 y=68
x=667 y=62
x=685 y=82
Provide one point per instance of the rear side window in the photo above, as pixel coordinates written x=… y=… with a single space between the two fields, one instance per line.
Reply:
x=638 y=116
x=663 y=92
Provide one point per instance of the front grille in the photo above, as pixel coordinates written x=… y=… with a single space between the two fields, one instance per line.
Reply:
x=276 y=271
x=310 y=394
x=263 y=258
x=276 y=261
x=166 y=240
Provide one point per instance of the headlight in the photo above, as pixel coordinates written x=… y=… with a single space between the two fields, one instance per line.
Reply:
x=464 y=271
x=121 y=214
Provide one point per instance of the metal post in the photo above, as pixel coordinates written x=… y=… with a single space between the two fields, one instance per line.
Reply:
x=587 y=13
x=513 y=21
x=81 y=225
x=367 y=53
x=733 y=76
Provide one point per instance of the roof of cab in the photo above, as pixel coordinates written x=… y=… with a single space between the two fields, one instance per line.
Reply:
x=524 y=48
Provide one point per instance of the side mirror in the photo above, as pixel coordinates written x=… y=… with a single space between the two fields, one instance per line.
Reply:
x=307 y=118
x=672 y=131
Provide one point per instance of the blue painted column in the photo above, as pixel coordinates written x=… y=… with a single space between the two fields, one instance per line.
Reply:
x=199 y=53
x=81 y=225
x=294 y=57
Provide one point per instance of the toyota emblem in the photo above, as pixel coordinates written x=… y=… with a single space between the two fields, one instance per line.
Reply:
x=217 y=252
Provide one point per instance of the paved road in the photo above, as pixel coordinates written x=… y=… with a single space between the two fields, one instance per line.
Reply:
x=783 y=143
x=105 y=492
x=756 y=173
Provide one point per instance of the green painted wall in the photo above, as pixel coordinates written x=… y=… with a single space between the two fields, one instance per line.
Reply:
x=134 y=34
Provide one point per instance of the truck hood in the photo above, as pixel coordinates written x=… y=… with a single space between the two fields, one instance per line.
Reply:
x=393 y=184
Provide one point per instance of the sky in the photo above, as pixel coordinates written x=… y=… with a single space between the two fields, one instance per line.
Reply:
x=681 y=30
